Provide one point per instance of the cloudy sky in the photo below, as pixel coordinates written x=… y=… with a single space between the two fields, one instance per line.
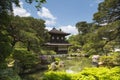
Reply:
x=62 y=14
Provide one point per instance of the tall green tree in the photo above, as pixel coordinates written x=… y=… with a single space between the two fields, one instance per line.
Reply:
x=82 y=27
x=6 y=15
x=29 y=31
x=108 y=11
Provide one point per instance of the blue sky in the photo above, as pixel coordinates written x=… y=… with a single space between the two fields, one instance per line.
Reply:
x=62 y=14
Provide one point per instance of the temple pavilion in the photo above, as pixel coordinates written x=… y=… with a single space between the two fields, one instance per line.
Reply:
x=58 y=41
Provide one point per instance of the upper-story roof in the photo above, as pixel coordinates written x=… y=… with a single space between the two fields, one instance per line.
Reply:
x=55 y=31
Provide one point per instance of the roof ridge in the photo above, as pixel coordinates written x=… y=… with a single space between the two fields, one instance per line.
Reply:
x=54 y=30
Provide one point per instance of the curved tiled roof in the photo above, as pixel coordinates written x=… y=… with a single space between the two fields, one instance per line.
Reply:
x=55 y=31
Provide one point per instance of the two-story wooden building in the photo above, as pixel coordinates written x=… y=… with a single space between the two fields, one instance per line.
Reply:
x=58 y=41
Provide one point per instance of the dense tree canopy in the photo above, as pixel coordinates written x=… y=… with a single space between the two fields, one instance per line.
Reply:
x=12 y=28
x=27 y=30
x=20 y=39
x=108 y=11
x=102 y=36
x=82 y=27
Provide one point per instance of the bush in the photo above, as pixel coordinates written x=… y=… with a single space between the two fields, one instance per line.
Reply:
x=8 y=74
x=5 y=51
x=107 y=60
x=24 y=60
x=111 y=60
x=87 y=74
x=48 y=52
x=51 y=75
x=74 y=48
x=117 y=58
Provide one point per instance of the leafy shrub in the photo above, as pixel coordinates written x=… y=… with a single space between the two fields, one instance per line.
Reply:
x=48 y=52
x=24 y=60
x=74 y=48
x=111 y=61
x=5 y=50
x=117 y=58
x=107 y=60
x=52 y=52
x=51 y=75
x=8 y=74
x=87 y=74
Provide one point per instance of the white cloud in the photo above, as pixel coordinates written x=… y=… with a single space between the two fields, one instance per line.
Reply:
x=69 y=29
x=45 y=13
x=20 y=11
x=49 y=28
x=50 y=22
x=47 y=16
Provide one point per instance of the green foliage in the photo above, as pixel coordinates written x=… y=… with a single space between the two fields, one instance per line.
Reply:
x=52 y=52
x=82 y=27
x=5 y=50
x=4 y=36
x=5 y=46
x=6 y=5
x=24 y=60
x=108 y=11
x=87 y=74
x=111 y=61
x=101 y=73
x=29 y=31
x=4 y=19
x=39 y=2
x=117 y=58
x=75 y=48
x=75 y=40
x=8 y=74
x=10 y=33
x=56 y=76
x=48 y=52
x=97 y=38
x=108 y=60
x=100 y=40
